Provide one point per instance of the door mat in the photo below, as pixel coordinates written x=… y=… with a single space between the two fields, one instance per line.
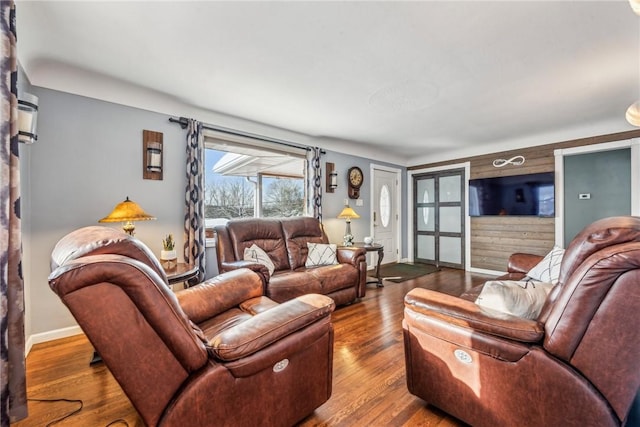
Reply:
x=399 y=272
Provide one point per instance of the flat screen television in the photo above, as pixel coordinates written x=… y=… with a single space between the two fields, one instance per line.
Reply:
x=518 y=195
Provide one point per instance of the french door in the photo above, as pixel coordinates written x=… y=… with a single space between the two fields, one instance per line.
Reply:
x=438 y=220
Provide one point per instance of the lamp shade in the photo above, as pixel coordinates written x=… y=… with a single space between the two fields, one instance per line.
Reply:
x=635 y=5
x=127 y=212
x=633 y=114
x=348 y=213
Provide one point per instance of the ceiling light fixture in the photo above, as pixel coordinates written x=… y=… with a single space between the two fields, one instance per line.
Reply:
x=633 y=113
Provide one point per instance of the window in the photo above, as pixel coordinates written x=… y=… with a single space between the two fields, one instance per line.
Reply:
x=246 y=180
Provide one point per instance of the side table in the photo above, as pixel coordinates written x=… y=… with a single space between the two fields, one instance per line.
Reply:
x=373 y=247
x=182 y=272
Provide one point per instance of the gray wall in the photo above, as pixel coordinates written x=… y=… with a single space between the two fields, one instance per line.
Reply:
x=88 y=159
x=606 y=177
x=334 y=202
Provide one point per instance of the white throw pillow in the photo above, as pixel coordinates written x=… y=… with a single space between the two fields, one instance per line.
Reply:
x=321 y=254
x=519 y=298
x=256 y=254
x=548 y=270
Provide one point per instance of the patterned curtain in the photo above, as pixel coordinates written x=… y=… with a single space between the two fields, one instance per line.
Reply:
x=194 y=237
x=314 y=183
x=12 y=359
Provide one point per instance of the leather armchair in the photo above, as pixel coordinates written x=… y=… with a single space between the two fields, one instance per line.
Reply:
x=218 y=353
x=575 y=365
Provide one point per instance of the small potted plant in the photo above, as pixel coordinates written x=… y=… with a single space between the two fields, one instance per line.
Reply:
x=168 y=255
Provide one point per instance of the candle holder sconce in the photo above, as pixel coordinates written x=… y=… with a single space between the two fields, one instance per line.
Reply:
x=152 y=158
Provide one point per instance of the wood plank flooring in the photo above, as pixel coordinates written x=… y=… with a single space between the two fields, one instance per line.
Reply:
x=369 y=387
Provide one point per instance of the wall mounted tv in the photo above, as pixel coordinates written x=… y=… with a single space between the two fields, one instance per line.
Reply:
x=517 y=195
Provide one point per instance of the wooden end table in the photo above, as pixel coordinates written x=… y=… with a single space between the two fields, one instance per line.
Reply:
x=373 y=247
x=182 y=272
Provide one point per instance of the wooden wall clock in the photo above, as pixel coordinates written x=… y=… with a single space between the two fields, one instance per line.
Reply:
x=355 y=182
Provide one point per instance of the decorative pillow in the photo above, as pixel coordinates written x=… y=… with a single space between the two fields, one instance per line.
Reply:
x=321 y=254
x=256 y=254
x=519 y=298
x=548 y=270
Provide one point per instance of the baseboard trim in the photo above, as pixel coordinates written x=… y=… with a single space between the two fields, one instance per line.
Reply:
x=50 y=336
x=489 y=272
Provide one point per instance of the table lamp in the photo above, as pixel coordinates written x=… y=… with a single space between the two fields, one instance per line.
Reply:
x=127 y=212
x=348 y=214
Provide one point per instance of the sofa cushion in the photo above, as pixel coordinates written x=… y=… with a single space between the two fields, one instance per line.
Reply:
x=286 y=285
x=298 y=232
x=264 y=232
x=257 y=255
x=548 y=270
x=321 y=254
x=334 y=277
x=519 y=298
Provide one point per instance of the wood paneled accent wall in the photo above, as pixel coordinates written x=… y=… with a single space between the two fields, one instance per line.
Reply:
x=494 y=238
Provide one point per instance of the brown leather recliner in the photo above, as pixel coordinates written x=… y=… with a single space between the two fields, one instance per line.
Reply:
x=577 y=364
x=218 y=353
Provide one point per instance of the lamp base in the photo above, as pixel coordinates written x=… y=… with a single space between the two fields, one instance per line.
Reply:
x=347 y=239
x=129 y=228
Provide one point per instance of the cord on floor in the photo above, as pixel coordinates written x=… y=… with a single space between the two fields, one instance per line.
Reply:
x=75 y=411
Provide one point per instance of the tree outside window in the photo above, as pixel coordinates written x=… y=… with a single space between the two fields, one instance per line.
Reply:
x=229 y=196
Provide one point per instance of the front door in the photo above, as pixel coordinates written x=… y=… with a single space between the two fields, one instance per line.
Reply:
x=439 y=218
x=385 y=213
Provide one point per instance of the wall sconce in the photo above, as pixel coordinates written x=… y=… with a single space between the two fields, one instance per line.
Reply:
x=332 y=177
x=152 y=155
x=27 y=118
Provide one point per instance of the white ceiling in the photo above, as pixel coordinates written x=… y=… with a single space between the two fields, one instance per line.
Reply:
x=399 y=81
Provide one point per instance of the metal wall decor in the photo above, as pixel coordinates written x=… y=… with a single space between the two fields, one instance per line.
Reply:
x=515 y=161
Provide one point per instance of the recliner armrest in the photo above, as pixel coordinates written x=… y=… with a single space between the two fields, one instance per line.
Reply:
x=352 y=256
x=261 y=269
x=521 y=262
x=267 y=327
x=467 y=314
x=220 y=293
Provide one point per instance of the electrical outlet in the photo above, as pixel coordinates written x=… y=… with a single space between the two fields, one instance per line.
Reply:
x=359 y=202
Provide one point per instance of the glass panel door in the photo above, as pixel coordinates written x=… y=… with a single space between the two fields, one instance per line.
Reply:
x=439 y=218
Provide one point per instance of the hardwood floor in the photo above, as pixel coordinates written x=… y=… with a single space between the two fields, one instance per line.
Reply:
x=369 y=387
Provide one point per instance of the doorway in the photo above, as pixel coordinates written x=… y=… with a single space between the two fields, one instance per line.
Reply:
x=385 y=211
x=602 y=180
x=596 y=185
x=439 y=218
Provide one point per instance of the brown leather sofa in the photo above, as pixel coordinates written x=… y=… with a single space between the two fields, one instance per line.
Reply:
x=575 y=365
x=217 y=354
x=285 y=241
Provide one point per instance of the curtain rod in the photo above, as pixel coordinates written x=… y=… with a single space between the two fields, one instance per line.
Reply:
x=183 y=122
